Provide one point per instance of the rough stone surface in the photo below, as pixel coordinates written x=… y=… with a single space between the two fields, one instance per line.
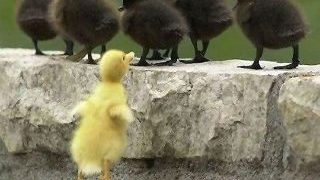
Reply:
x=214 y=111
x=300 y=105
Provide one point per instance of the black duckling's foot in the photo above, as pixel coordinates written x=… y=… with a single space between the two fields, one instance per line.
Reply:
x=141 y=63
x=39 y=53
x=255 y=66
x=156 y=55
x=166 y=63
x=289 y=66
x=198 y=59
x=68 y=53
x=90 y=61
x=69 y=47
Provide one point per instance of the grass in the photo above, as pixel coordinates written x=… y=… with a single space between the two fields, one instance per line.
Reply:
x=230 y=45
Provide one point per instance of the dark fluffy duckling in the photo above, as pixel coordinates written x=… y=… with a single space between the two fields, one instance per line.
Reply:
x=271 y=24
x=89 y=22
x=154 y=25
x=206 y=19
x=33 y=19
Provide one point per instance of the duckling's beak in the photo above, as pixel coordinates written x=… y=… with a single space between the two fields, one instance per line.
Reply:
x=130 y=56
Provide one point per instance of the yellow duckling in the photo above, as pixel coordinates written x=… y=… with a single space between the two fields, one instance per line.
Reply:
x=101 y=136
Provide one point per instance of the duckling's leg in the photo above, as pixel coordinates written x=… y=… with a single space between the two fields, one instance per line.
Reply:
x=69 y=47
x=142 y=61
x=205 y=45
x=255 y=64
x=80 y=175
x=90 y=60
x=156 y=55
x=38 y=51
x=106 y=170
x=166 y=54
x=174 y=58
x=198 y=58
x=103 y=49
x=295 y=59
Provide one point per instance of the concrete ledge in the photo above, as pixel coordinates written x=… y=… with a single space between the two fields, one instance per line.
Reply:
x=212 y=111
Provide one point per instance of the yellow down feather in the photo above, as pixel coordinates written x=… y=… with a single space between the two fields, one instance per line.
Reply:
x=105 y=116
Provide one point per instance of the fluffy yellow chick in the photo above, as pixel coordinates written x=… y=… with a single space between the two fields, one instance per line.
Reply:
x=101 y=137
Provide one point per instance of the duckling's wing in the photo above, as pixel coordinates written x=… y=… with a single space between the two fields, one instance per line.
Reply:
x=219 y=12
x=280 y=17
x=289 y=21
x=121 y=112
x=107 y=22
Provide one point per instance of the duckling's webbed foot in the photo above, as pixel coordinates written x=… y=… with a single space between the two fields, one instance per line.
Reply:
x=142 y=61
x=289 y=66
x=256 y=64
x=199 y=58
x=69 y=47
x=166 y=63
x=156 y=55
x=38 y=51
x=295 y=60
x=90 y=60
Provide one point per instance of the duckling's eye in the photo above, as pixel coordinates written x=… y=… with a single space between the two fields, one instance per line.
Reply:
x=123 y=57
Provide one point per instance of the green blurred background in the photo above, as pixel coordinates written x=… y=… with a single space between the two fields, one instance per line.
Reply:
x=230 y=45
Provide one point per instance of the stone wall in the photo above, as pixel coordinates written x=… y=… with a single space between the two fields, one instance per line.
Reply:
x=210 y=120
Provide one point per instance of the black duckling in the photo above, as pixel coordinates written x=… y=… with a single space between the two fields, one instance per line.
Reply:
x=206 y=19
x=33 y=19
x=89 y=22
x=154 y=25
x=271 y=24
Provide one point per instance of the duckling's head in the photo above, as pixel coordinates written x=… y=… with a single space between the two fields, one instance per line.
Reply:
x=114 y=65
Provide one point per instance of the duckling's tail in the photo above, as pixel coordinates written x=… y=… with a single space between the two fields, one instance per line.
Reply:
x=80 y=55
x=91 y=169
